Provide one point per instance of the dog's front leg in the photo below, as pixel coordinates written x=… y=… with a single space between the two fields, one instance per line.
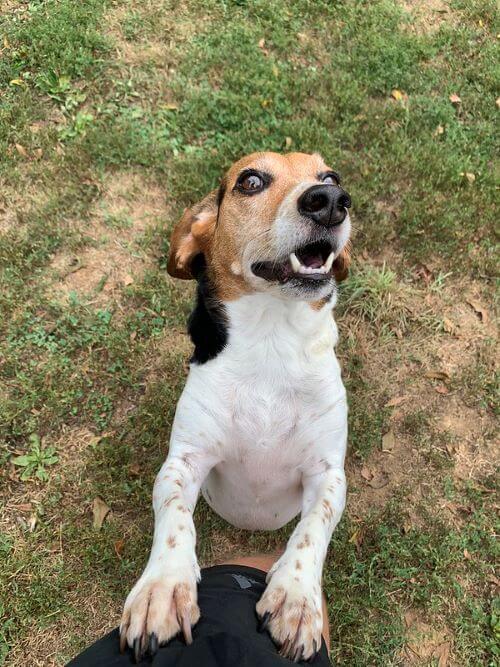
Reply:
x=290 y=607
x=163 y=601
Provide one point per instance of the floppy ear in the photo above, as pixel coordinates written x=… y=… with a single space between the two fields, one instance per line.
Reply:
x=191 y=236
x=341 y=263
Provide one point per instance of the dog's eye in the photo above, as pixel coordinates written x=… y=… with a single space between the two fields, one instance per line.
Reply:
x=330 y=178
x=250 y=182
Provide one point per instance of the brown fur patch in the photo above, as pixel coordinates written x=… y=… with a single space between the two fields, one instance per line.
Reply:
x=342 y=263
x=327 y=508
x=318 y=305
x=171 y=499
x=171 y=541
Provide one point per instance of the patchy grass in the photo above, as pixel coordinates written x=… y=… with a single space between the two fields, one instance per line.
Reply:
x=114 y=116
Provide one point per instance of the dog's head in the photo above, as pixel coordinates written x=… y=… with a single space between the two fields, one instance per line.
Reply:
x=277 y=223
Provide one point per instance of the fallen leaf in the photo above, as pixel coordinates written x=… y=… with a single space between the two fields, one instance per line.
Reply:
x=448 y=325
x=436 y=375
x=262 y=47
x=128 y=280
x=397 y=94
x=441 y=389
x=358 y=536
x=379 y=480
x=33 y=520
x=455 y=99
x=467 y=555
x=100 y=511
x=424 y=273
x=288 y=142
x=134 y=469
x=22 y=150
x=439 y=130
x=118 y=545
x=493 y=580
x=38 y=152
x=366 y=473
x=407 y=525
x=469 y=176
x=388 y=441
x=16 y=82
x=397 y=400
x=442 y=652
x=479 y=309
x=409 y=617
x=24 y=507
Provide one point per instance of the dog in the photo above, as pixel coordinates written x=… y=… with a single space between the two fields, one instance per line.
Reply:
x=261 y=426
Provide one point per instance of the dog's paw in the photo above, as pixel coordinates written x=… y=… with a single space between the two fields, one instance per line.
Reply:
x=290 y=609
x=159 y=607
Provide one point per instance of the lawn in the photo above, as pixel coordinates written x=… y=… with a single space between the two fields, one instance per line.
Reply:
x=115 y=115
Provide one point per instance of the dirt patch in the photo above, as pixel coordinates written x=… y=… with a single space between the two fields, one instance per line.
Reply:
x=95 y=616
x=426 y=17
x=469 y=431
x=432 y=417
x=425 y=643
x=135 y=54
x=113 y=258
x=136 y=46
x=14 y=205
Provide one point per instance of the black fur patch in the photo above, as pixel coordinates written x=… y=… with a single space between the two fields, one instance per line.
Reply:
x=207 y=324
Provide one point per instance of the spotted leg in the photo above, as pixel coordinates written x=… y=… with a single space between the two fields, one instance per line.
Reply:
x=290 y=607
x=163 y=602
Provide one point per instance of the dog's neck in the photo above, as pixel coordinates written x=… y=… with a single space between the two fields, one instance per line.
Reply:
x=268 y=324
x=263 y=315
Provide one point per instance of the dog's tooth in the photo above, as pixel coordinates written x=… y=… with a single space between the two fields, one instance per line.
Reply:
x=329 y=262
x=295 y=262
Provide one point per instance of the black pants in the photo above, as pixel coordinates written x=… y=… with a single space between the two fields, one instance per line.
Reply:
x=225 y=636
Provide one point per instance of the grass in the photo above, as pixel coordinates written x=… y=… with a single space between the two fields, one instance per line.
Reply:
x=116 y=115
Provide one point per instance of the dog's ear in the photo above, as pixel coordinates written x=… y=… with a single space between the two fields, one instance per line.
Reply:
x=341 y=263
x=192 y=236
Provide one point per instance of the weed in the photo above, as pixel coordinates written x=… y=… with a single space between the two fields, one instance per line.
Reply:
x=36 y=461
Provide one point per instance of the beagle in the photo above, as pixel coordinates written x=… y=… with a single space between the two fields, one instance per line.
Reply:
x=261 y=425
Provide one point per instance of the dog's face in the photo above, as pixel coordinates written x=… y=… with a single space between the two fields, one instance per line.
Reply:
x=277 y=223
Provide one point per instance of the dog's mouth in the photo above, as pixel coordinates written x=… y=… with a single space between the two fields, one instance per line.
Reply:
x=310 y=262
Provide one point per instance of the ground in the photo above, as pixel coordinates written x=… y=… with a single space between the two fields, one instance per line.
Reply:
x=115 y=115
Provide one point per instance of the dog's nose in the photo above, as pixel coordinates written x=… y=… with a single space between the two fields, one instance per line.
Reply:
x=324 y=204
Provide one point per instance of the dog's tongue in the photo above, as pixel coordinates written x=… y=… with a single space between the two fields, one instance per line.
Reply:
x=312 y=261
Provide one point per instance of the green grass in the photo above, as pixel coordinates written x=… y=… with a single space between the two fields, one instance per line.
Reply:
x=174 y=92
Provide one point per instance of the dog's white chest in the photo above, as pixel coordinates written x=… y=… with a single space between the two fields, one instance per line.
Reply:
x=270 y=403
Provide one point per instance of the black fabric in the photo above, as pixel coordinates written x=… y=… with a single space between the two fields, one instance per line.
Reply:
x=225 y=636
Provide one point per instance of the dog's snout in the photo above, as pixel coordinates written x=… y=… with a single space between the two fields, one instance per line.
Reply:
x=324 y=204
